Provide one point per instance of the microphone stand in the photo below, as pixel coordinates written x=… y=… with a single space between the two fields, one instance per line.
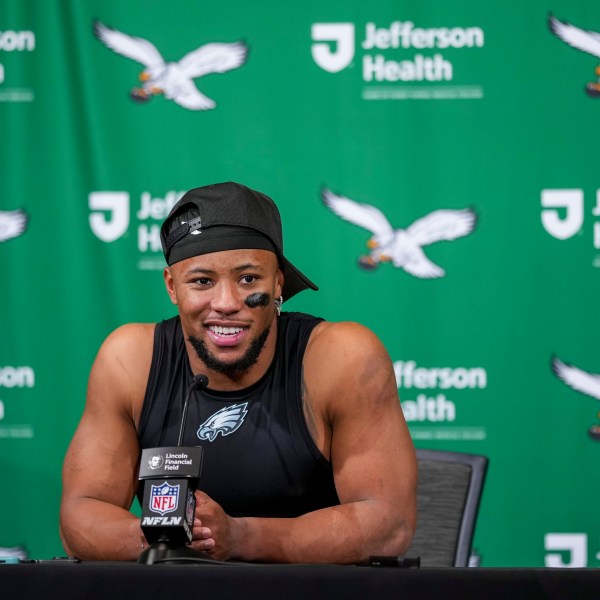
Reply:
x=198 y=382
x=169 y=536
x=164 y=552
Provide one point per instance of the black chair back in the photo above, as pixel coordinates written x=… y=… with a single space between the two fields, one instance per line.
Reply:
x=448 y=495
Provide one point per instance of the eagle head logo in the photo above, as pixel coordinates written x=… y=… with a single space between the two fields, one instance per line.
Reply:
x=225 y=421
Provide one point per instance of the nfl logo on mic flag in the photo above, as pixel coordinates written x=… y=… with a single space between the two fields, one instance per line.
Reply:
x=164 y=498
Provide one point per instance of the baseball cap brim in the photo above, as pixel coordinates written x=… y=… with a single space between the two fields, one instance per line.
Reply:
x=295 y=281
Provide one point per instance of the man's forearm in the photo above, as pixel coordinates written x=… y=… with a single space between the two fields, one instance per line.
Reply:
x=348 y=533
x=95 y=530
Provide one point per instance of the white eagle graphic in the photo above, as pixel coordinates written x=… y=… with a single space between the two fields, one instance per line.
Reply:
x=402 y=247
x=581 y=39
x=13 y=223
x=581 y=381
x=225 y=421
x=173 y=79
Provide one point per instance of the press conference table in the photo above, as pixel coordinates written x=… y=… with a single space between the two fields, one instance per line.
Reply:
x=130 y=581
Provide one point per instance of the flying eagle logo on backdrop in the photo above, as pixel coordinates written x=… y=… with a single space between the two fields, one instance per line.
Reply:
x=175 y=80
x=580 y=381
x=13 y=223
x=402 y=247
x=581 y=39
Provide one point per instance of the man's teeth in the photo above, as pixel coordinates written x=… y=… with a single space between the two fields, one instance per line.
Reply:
x=225 y=330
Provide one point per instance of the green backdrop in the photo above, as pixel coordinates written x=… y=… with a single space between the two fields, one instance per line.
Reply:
x=408 y=107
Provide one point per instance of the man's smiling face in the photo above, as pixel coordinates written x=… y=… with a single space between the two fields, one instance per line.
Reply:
x=227 y=334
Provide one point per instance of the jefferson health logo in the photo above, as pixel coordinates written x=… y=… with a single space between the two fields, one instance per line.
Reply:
x=563 y=216
x=401 y=60
x=12 y=44
x=429 y=412
x=15 y=385
x=113 y=216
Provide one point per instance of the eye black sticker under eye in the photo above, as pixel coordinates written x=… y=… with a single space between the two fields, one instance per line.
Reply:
x=258 y=299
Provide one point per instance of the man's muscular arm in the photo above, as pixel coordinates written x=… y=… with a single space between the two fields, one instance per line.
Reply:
x=358 y=423
x=100 y=468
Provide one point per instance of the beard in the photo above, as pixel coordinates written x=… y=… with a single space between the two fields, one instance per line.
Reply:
x=237 y=367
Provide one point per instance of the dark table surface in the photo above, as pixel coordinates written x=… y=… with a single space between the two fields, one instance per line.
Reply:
x=226 y=581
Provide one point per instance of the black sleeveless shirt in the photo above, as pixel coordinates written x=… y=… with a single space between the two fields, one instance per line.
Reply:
x=259 y=456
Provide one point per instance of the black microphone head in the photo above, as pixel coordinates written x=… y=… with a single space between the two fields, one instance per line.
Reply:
x=200 y=381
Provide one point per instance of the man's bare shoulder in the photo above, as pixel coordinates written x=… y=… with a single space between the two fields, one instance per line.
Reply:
x=133 y=331
x=345 y=338
x=344 y=365
x=129 y=336
x=128 y=345
x=123 y=361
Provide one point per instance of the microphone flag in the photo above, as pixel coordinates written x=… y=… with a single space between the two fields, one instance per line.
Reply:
x=170 y=476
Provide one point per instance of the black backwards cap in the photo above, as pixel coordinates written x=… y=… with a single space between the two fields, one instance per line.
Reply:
x=228 y=216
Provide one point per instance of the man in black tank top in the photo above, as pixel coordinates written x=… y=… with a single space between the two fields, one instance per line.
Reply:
x=307 y=457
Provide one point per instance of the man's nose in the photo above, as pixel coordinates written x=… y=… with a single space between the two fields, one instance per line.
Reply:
x=226 y=298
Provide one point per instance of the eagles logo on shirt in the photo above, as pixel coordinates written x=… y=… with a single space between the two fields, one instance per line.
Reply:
x=225 y=421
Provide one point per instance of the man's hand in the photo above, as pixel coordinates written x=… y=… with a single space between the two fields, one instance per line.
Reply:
x=213 y=529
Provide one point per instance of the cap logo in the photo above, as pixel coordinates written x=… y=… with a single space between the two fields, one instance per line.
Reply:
x=186 y=227
x=194 y=225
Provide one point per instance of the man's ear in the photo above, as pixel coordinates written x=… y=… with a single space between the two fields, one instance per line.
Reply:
x=280 y=280
x=170 y=284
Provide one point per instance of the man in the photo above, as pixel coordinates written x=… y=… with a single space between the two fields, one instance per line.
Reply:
x=314 y=462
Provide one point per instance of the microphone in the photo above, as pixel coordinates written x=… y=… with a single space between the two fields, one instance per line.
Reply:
x=170 y=475
x=199 y=382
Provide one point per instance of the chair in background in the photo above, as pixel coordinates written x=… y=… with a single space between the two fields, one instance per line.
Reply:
x=448 y=494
